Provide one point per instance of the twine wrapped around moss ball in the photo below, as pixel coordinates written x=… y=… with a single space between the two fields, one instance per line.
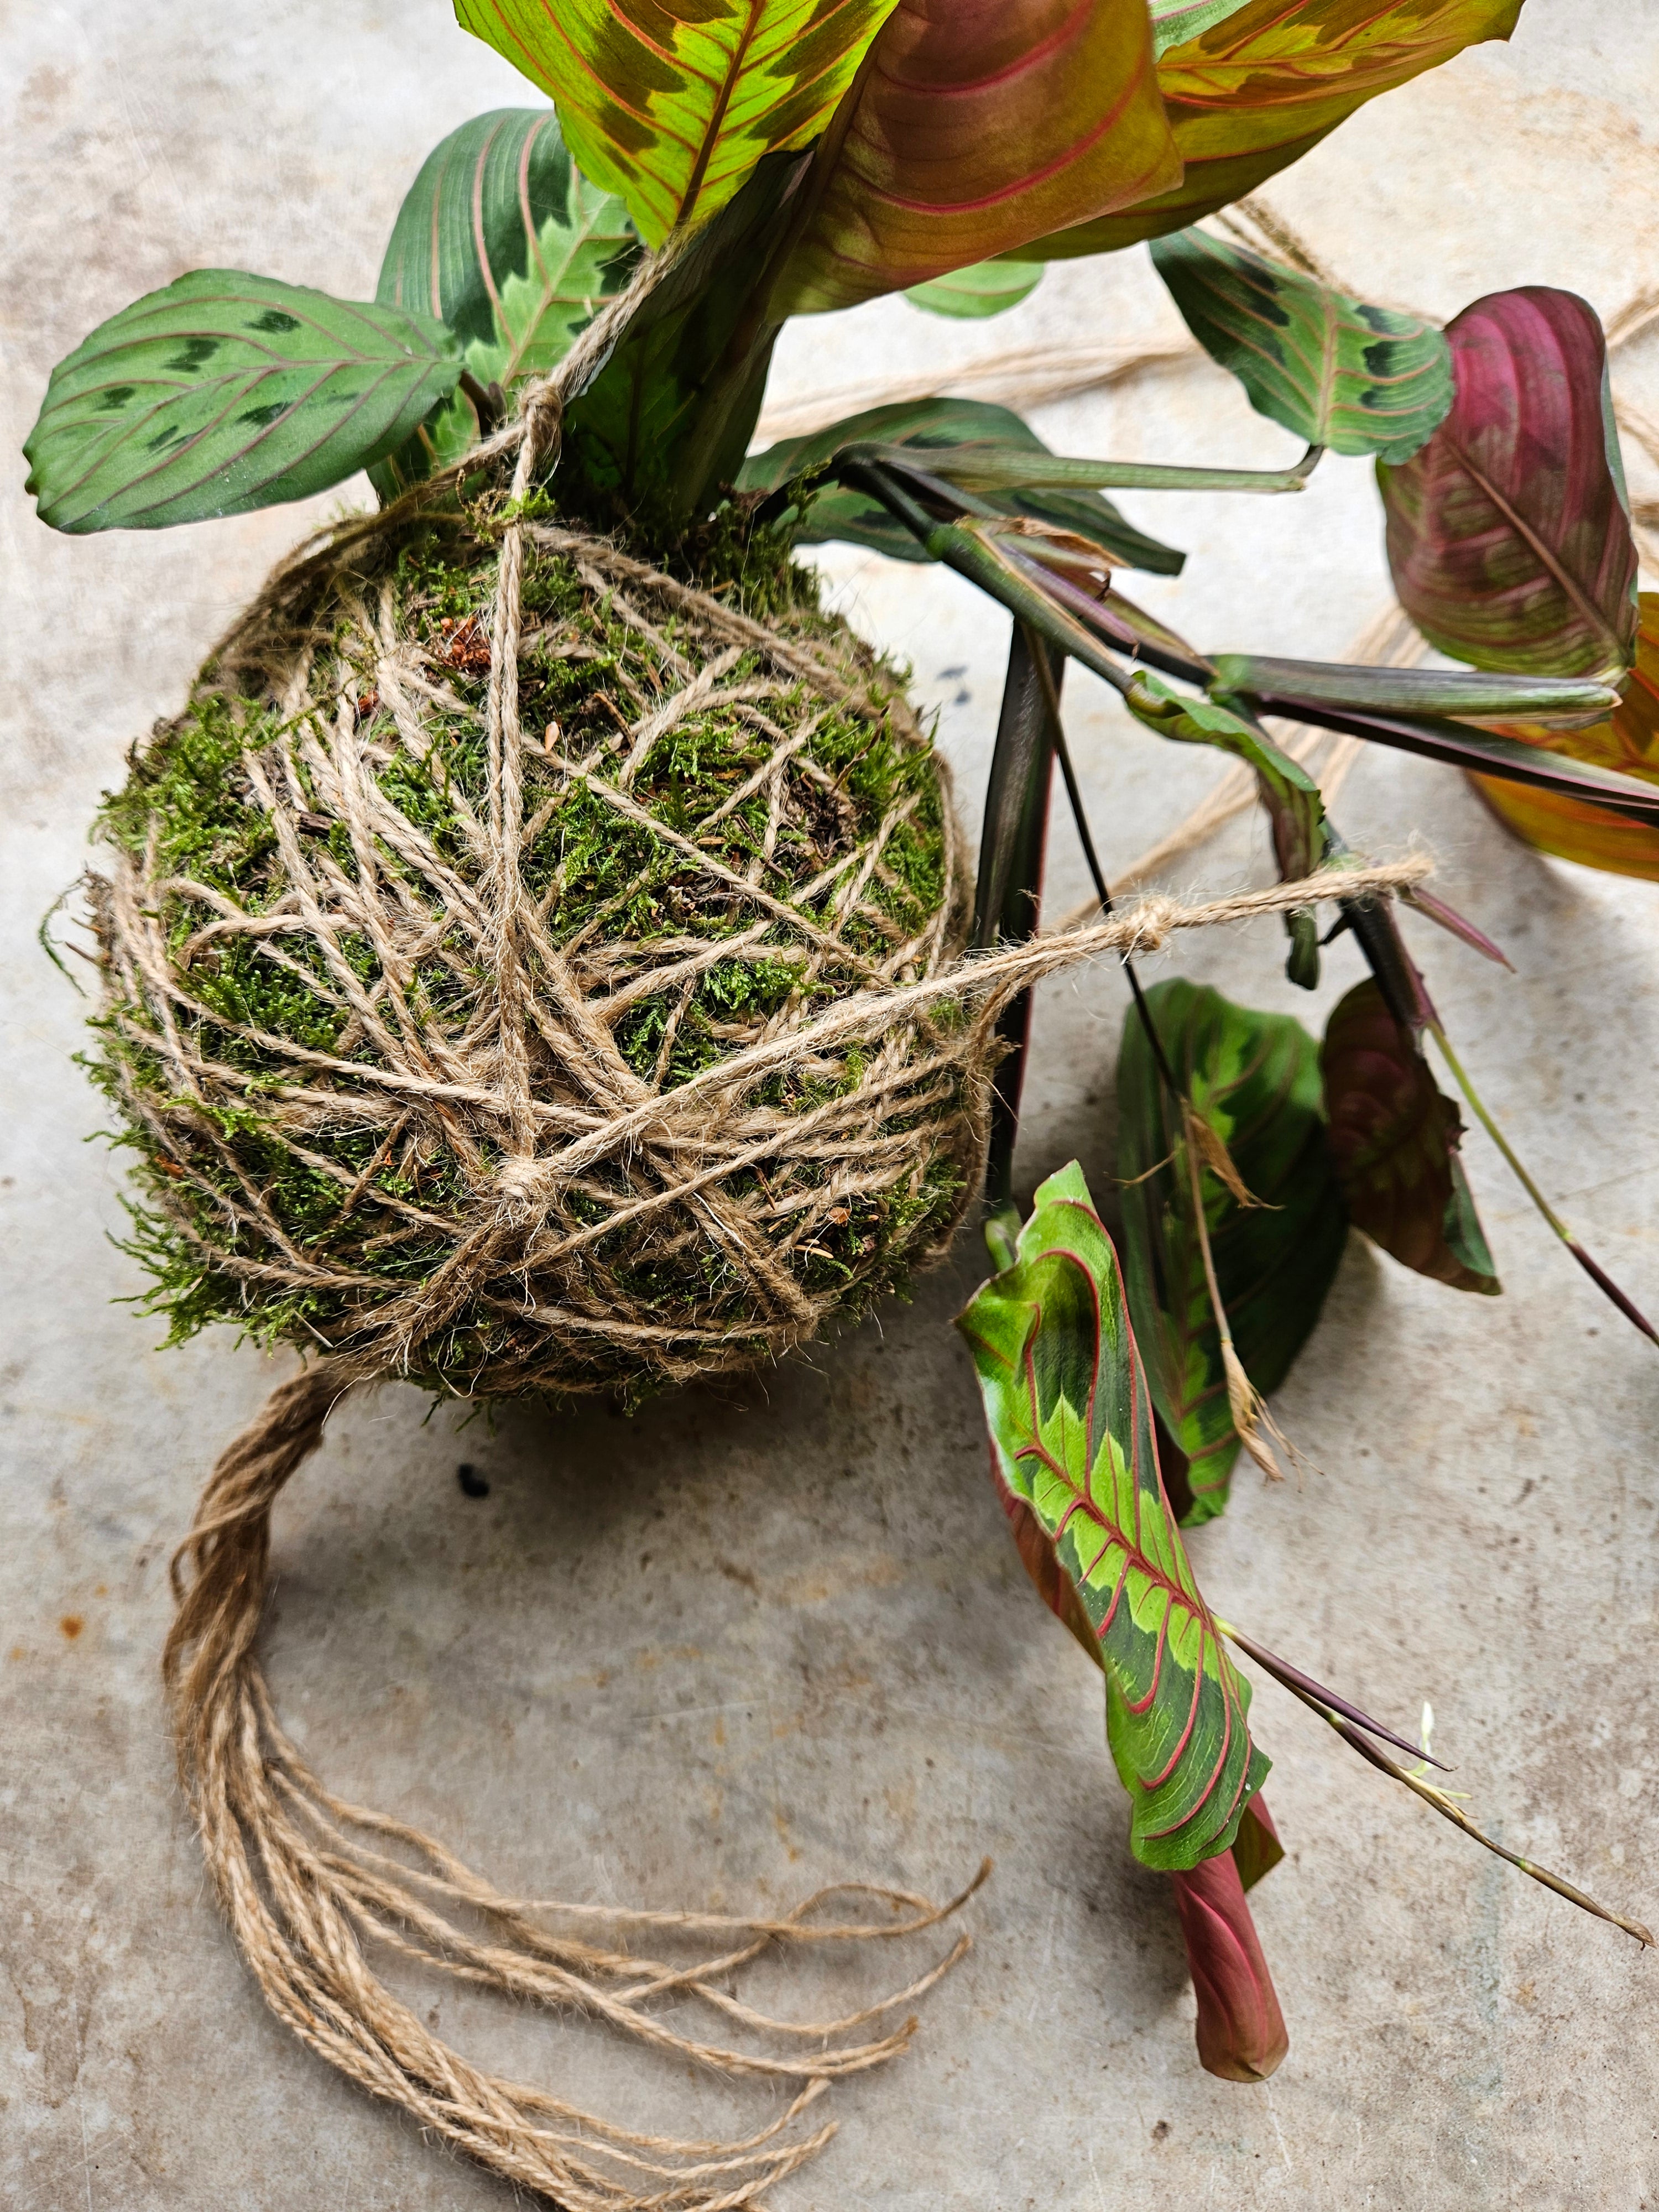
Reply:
x=525 y=970
x=466 y=942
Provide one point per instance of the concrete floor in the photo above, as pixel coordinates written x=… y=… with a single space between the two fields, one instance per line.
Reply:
x=737 y=1646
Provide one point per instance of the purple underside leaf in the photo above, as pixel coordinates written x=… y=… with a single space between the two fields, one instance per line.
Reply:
x=1508 y=534
x=1393 y=1136
x=1070 y=1420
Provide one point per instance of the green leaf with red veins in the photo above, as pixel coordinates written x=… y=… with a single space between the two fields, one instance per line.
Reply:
x=1069 y=1419
x=1509 y=536
x=672 y=104
x=976 y=126
x=1254 y=1078
x=1394 y=1138
x=1263 y=83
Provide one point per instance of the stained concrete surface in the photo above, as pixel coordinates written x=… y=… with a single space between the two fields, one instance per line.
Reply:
x=740 y=1644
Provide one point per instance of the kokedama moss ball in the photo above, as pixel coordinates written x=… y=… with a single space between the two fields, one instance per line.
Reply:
x=483 y=1013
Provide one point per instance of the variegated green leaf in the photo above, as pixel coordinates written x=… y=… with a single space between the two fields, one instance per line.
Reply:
x=1358 y=379
x=672 y=104
x=503 y=238
x=1254 y=1078
x=1070 y=1418
x=225 y=392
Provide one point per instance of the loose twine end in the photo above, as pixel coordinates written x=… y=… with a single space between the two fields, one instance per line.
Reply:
x=306 y=1893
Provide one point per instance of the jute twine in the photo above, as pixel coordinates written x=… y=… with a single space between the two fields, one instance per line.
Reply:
x=307 y=1881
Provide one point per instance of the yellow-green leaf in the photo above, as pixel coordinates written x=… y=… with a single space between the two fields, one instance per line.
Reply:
x=1553 y=822
x=671 y=104
x=1256 y=90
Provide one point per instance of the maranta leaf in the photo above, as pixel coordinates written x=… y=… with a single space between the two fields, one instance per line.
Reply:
x=1070 y=1418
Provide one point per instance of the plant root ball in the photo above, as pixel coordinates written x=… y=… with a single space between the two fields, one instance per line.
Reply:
x=484 y=948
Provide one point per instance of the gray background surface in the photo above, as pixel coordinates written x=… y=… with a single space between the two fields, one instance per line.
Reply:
x=743 y=1643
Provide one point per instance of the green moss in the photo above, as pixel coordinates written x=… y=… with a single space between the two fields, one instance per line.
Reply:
x=309 y=1224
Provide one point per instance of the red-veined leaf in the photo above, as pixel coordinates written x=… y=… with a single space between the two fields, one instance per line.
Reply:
x=1509 y=538
x=1394 y=1137
x=1037 y=1556
x=1256 y=90
x=1241 y=2031
x=672 y=104
x=978 y=125
x=225 y=392
x=1629 y=741
x=1069 y=1419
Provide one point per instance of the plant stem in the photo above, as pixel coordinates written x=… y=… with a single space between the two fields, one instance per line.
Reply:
x=1012 y=847
x=1443 y=1804
x=1598 y=1275
x=1103 y=892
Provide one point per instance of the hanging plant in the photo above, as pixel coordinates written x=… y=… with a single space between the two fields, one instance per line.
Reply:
x=539 y=956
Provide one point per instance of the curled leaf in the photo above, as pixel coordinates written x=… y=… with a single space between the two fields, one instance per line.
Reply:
x=1070 y=1420
x=1241 y=2031
x=1393 y=1139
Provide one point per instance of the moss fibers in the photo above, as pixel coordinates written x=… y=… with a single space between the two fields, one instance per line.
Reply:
x=304 y=1221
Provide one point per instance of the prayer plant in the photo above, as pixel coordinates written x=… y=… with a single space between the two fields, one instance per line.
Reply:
x=732 y=163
